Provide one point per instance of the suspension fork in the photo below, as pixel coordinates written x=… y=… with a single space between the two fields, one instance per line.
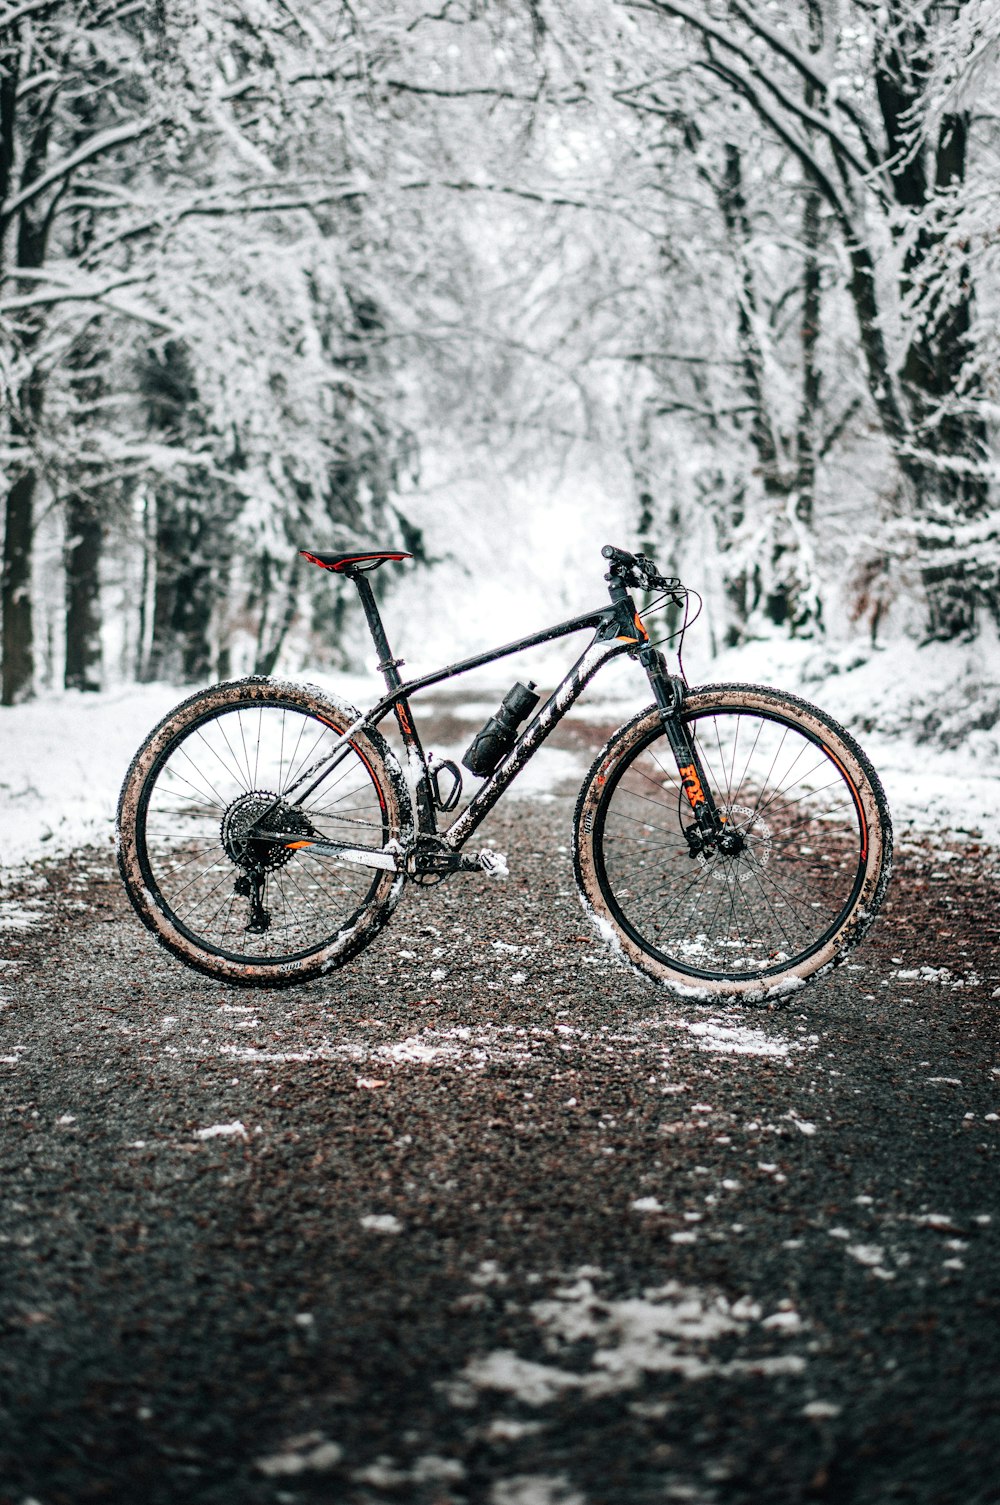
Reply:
x=668 y=690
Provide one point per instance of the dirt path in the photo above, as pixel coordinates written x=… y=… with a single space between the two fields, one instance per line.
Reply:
x=486 y=1218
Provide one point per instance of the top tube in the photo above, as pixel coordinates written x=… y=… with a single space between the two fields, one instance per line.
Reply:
x=563 y=629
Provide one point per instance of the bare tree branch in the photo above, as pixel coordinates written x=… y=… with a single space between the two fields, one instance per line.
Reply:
x=102 y=142
x=800 y=110
x=784 y=132
x=806 y=66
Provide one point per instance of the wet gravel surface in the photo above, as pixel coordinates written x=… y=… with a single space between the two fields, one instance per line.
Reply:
x=485 y=1217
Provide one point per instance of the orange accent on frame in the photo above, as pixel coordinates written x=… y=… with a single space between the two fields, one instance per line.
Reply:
x=403 y=718
x=293 y=846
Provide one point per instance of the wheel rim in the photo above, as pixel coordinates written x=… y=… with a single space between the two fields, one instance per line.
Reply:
x=201 y=799
x=782 y=896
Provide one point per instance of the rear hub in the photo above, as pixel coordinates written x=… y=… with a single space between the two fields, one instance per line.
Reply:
x=245 y=826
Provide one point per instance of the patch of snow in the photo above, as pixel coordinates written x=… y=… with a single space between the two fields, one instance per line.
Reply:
x=866 y=1254
x=65 y=756
x=784 y=1321
x=382 y=1474
x=311 y=1453
x=738 y=1040
x=510 y=1429
x=535 y=1489
x=18 y=916
x=533 y=1384
x=381 y=1222
x=917 y=711
x=666 y=1330
x=218 y=1131
x=925 y=974
x=433 y=1469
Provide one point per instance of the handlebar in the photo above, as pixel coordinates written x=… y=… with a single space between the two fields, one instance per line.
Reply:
x=636 y=570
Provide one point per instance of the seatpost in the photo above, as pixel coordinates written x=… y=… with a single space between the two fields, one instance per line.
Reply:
x=388 y=666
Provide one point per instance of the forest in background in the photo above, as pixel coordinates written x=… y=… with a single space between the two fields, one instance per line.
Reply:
x=285 y=273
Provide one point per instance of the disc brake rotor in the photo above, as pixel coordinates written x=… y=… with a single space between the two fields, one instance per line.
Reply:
x=755 y=848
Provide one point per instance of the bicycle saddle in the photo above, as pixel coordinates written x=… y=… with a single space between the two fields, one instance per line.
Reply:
x=342 y=564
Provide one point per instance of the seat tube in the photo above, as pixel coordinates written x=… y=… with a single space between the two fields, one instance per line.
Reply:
x=389 y=669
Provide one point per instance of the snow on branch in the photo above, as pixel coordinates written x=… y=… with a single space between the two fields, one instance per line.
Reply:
x=807 y=68
x=790 y=137
x=11 y=16
x=102 y=142
x=58 y=291
x=797 y=108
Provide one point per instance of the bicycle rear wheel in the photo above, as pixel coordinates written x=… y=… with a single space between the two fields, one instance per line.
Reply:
x=197 y=802
x=808 y=876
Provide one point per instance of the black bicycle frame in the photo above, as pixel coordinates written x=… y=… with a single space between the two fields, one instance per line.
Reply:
x=617 y=630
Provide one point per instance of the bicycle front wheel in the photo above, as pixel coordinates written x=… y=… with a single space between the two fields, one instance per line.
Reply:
x=203 y=791
x=803 y=884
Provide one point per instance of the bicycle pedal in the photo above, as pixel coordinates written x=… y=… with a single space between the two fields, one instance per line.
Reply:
x=493 y=864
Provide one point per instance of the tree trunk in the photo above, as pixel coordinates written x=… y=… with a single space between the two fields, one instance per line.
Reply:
x=15 y=591
x=30 y=235
x=943 y=458
x=183 y=598
x=83 y=596
x=267 y=657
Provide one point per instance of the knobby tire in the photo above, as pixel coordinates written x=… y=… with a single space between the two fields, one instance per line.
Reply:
x=815 y=857
x=189 y=850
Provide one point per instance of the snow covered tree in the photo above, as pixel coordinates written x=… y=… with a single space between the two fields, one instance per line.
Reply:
x=846 y=89
x=74 y=98
x=228 y=249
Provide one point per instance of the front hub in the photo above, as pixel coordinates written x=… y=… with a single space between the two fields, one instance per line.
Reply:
x=745 y=839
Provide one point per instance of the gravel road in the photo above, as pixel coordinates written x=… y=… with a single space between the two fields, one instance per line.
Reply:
x=485 y=1217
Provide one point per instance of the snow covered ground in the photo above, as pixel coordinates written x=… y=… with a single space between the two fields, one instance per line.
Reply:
x=913 y=709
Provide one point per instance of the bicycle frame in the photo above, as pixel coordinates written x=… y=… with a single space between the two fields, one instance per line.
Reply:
x=617 y=630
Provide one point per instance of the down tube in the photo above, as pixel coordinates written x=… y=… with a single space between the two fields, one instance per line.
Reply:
x=533 y=736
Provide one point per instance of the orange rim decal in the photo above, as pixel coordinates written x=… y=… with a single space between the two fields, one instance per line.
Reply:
x=857 y=800
x=378 y=787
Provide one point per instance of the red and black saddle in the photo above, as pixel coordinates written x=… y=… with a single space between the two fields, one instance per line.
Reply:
x=356 y=562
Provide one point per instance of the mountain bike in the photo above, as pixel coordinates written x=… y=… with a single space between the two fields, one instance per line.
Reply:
x=729 y=840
